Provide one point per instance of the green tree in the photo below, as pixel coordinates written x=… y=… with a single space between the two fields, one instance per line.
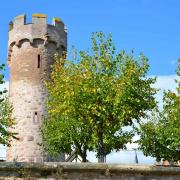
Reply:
x=5 y=113
x=98 y=94
x=160 y=137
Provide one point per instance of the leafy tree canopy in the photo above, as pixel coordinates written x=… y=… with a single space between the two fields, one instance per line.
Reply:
x=5 y=113
x=92 y=98
x=160 y=137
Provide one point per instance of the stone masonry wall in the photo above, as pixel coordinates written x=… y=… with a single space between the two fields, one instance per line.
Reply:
x=86 y=171
x=30 y=54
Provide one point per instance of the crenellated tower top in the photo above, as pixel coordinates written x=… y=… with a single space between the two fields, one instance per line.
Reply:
x=19 y=31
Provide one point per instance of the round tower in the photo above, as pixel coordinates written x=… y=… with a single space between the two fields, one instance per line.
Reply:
x=31 y=48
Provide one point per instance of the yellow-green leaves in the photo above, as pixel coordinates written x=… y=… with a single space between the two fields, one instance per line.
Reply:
x=104 y=91
x=6 y=120
x=160 y=137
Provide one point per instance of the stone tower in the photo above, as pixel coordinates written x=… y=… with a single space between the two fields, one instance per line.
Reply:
x=31 y=48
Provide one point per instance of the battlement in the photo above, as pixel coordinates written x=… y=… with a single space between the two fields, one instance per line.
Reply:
x=37 y=19
x=38 y=29
x=20 y=31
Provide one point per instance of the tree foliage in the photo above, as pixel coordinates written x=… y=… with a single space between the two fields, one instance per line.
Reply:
x=92 y=99
x=160 y=137
x=6 y=120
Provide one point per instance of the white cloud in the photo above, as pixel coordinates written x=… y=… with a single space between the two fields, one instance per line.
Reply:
x=128 y=157
x=131 y=146
x=124 y=157
x=2 y=152
x=4 y=86
x=165 y=83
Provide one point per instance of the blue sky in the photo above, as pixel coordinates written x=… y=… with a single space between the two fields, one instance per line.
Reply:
x=148 y=26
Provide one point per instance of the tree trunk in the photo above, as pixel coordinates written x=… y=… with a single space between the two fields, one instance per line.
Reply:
x=101 y=153
x=84 y=156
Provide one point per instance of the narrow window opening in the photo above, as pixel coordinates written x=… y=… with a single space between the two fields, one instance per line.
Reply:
x=39 y=61
x=35 y=117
